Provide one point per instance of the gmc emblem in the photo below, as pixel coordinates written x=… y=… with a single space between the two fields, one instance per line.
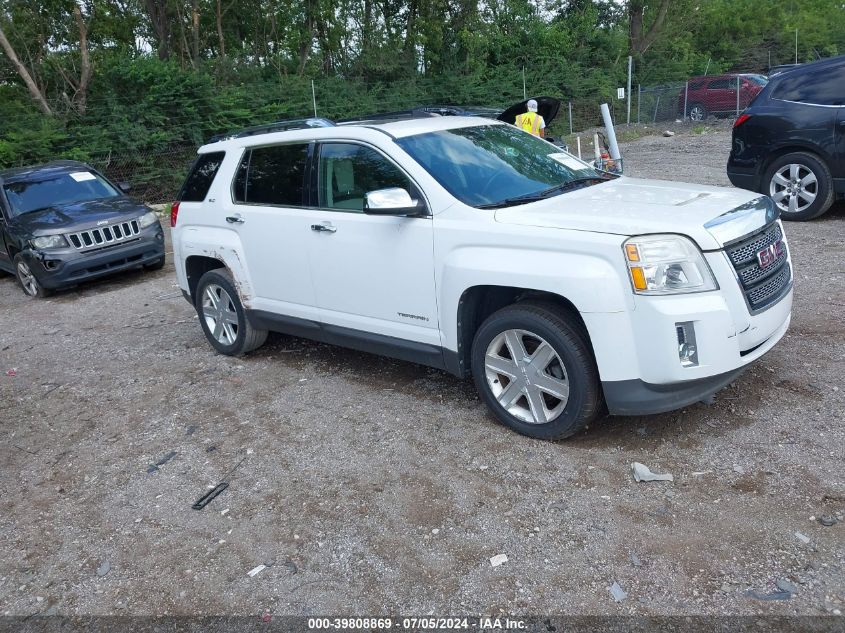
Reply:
x=770 y=254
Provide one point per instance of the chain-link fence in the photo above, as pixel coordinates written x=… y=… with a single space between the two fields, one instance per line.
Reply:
x=153 y=177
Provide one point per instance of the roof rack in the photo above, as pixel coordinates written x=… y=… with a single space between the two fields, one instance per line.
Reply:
x=278 y=126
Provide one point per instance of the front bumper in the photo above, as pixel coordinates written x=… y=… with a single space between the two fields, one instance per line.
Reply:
x=66 y=267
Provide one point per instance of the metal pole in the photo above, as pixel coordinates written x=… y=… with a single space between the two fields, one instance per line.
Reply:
x=630 y=64
x=656 y=105
x=737 y=95
x=578 y=140
x=639 y=99
x=686 y=99
x=314 y=97
x=706 y=68
x=611 y=133
x=796 y=46
x=570 y=117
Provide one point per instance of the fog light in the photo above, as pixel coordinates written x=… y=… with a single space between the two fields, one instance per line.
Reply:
x=51 y=264
x=687 y=350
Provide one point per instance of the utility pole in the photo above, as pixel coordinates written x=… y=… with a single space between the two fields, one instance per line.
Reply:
x=630 y=64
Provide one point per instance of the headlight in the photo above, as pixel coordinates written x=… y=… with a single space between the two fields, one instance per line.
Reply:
x=667 y=264
x=148 y=219
x=49 y=241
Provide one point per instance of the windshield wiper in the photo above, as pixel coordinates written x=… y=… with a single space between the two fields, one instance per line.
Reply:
x=577 y=183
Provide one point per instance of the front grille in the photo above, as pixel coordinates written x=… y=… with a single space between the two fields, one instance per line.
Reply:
x=105 y=236
x=761 y=286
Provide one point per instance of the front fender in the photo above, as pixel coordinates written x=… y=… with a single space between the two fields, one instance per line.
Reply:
x=591 y=282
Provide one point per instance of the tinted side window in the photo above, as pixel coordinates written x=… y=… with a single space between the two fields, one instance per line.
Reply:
x=201 y=176
x=272 y=175
x=720 y=84
x=823 y=86
x=695 y=85
x=346 y=172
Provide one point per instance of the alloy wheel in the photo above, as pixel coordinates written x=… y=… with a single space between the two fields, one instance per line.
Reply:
x=526 y=376
x=27 y=279
x=794 y=188
x=220 y=314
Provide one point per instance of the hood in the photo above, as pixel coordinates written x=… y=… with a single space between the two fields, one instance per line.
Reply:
x=547 y=107
x=79 y=215
x=711 y=216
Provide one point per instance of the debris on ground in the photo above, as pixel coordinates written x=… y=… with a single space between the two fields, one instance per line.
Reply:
x=802 y=537
x=785 y=585
x=642 y=473
x=154 y=467
x=739 y=470
x=12 y=372
x=290 y=566
x=668 y=133
x=774 y=595
x=256 y=570
x=699 y=473
x=209 y=496
x=827 y=521
x=616 y=591
x=498 y=559
x=635 y=561
x=104 y=568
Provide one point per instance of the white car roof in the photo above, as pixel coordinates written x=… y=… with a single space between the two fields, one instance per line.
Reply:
x=396 y=129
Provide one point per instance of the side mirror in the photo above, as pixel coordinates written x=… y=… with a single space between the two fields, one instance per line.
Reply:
x=124 y=186
x=393 y=201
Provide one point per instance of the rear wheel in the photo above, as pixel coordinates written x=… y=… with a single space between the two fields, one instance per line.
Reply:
x=28 y=281
x=222 y=316
x=697 y=112
x=535 y=371
x=800 y=185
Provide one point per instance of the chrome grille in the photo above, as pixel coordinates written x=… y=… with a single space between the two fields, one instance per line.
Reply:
x=746 y=251
x=105 y=235
x=761 y=286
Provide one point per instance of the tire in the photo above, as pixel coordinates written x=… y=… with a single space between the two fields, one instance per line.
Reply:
x=28 y=281
x=697 y=112
x=235 y=336
x=156 y=265
x=570 y=363
x=800 y=185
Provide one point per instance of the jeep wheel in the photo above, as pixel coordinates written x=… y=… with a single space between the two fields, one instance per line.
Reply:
x=800 y=185
x=222 y=316
x=697 y=112
x=28 y=281
x=535 y=371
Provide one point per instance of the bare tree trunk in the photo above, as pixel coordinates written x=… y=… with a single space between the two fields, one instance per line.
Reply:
x=640 y=42
x=24 y=73
x=160 y=16
x=195 y=29
x=85 y=72
x=220 y=30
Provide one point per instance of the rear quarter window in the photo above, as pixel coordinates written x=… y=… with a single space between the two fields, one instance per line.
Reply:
x=824 y=86
x=201 y=176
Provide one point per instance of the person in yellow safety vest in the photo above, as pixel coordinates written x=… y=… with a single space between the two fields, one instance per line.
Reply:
x=531 y=121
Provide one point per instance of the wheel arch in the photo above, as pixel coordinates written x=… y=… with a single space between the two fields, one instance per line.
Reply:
x=479 y=302
x=196 y=266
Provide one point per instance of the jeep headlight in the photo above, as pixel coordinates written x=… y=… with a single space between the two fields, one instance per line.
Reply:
x=667 y=264
x=148 y=219
x=49 y=241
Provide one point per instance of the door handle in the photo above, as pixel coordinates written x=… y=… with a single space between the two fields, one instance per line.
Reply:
x=323 y=228
x=234 y=219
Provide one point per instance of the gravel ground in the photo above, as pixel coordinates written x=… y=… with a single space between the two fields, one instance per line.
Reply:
x=370 y=486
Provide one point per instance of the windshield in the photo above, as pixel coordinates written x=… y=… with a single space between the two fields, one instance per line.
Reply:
x=57 y=190
x=491 y=165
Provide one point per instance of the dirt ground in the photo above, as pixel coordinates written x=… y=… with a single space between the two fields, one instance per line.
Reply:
x=371 y=486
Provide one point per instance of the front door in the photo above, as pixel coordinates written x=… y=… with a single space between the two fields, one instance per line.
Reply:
x=371 y=274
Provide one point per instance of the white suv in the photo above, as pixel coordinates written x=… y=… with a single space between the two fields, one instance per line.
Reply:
x=468 y=245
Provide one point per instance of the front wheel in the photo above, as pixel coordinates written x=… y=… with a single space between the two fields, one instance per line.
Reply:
x=28 y=281
x=800 y=185
x=535 y=371
x=697 y=112
x=222 y=316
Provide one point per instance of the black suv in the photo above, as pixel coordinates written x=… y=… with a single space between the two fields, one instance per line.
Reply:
x=64 y=222
x=790 y=142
